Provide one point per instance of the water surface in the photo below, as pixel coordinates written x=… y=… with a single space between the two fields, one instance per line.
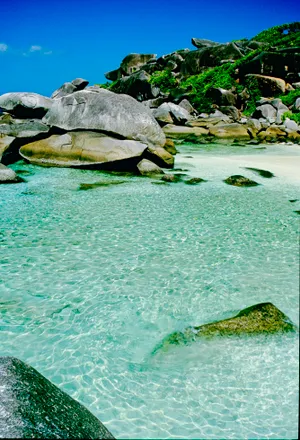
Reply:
x=92 y=281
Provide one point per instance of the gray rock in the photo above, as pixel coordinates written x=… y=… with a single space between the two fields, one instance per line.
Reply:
x=296 y=85
x=84 y=149
x=132 y=62
x=291 y=125
x=160 y=156
x=254 y=123
x=5 y=143
x=33 y=407
x=70 y=87
x=113 y=75
x=200 y=43
x=266 y=111
x=162 y=115
x=105 y=111
x=136 y=85
x=278 y=104
x=148 y=168
x=64 y=90
x=79 y=83
x=232 y=111
x=222 y=96
x=25 y=105
x=187 y=106
x=23 y=128
x=178 y=114
x=7 y=176
x=296 y=105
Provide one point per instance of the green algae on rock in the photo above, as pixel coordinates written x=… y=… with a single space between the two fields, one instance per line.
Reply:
x=195 y=181
x=263 y=318
x=262 y=173
x=238 y=180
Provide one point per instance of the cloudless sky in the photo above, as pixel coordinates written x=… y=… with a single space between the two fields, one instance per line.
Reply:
x=44 y=44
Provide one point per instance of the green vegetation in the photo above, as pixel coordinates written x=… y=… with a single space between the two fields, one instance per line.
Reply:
x=199 y=85
x=105 y=85
x=255 y=94
x=164 y=80
x=293 y=116
x=290 y=98
x=285 y=35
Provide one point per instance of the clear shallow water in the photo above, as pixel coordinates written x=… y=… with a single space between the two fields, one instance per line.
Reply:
x=92 y=281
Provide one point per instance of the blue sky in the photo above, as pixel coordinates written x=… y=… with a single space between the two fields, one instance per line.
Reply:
x=44 y=44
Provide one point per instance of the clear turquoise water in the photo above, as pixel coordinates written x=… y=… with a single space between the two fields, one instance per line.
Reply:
x=92 y=281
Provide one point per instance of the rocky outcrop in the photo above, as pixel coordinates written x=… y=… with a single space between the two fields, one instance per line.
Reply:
x=8 y=176
x=200 y=43
x=264 y=318
x=23 y=128
x=230 y=131
x=188 y=134
x=268 y=85
x=84 y=149
x=130 y=64
x=5 y=143
x=171 y=113
x=70 y=87
x=212 y=56
x=33 y=407
x=25 y=105
x=120 y=115
x=136 y=85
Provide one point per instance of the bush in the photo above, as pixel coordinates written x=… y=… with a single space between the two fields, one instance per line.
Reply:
x=285 y=35
x=164 y=80
x=105 y=85
x=291 y=97
x=293 y=116
x=198 y=85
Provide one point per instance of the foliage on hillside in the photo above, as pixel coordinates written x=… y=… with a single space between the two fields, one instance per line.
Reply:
x=224 y=76
x=285 y=35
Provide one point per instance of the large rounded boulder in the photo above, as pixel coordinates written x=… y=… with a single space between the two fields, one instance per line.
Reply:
x=33 y=407
x=84 y=149
x=119 y=115
x=25 y=105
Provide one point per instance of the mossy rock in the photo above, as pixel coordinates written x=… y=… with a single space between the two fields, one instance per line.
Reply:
x=195 y=181
x=263 y=318
x=262 y=173
x=104 y=184
x=238 y=180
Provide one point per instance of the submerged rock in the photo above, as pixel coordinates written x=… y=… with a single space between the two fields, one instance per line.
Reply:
x=263 y=318
x=103 y=184
x=33 y=407
x=262 y=173
x=8 y=176
x=195 y=181
x=238 y=180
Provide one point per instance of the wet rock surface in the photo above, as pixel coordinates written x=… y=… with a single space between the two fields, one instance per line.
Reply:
x=263 y=318
x=238 y=180
x=33 y=407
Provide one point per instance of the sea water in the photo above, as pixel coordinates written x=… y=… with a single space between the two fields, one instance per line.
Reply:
x=92 y=281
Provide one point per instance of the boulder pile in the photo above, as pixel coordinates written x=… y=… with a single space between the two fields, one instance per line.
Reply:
x=81 y=126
